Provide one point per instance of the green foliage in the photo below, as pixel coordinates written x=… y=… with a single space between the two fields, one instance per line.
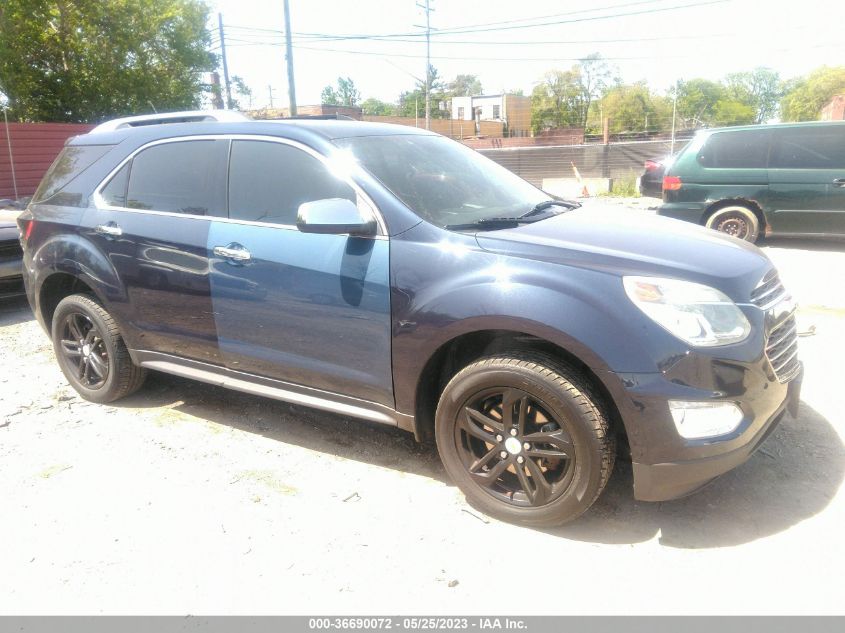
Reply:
x=377 y=107
x=805 y=97
x=346 y=94
x=633 y=108
x=464 y=86
x=412 y=103
x=86 y=60
x=625 y=187
x=564 y=97
x=760 y=89
x=243 y=92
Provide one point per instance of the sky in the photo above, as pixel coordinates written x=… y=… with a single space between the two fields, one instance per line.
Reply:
x=659 y=41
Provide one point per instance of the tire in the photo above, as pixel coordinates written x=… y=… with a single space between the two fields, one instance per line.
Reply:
x=91 y=352
x=560 y=432
x=737 y=220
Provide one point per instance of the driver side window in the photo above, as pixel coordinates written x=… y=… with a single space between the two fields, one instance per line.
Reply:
x=268 y=181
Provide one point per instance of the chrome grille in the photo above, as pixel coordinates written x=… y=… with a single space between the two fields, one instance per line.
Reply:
x=782 y=349
x=769 y=291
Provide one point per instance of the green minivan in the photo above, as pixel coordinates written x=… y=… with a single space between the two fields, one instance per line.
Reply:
x=784 y=180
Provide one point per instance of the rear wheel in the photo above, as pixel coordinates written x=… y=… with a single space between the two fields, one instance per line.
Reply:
x=91 y=352
x=736 y=220
x=525 y=439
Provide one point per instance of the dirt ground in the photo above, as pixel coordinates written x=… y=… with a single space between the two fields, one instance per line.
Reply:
x=189 y=499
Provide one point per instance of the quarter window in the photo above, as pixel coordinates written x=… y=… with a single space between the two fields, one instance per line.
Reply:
x=268 y=181
x=809 y=148
x=114 y=193
x=742 y=149
x=182 y=177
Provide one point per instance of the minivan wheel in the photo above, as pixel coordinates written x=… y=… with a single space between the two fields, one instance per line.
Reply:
x=91 y=352
x=525 y=438
x=736 y=220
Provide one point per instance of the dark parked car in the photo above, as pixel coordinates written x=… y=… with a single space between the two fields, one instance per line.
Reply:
x=11 y=281
x=651 y=181
x=784 y=180
x=391 y=274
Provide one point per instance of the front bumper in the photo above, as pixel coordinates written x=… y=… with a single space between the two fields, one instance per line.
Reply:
x=667 y=466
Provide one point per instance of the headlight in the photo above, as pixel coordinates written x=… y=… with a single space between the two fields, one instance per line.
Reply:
x=698 y=314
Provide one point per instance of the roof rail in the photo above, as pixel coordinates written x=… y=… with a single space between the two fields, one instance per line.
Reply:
x=188 y=116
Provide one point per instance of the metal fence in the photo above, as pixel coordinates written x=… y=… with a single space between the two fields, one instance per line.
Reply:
x=615 y=160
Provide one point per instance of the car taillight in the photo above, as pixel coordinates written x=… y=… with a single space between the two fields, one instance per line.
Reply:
x=650 y=165
x=671 y=183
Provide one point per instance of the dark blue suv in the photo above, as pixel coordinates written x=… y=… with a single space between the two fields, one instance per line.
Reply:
x=394 y=275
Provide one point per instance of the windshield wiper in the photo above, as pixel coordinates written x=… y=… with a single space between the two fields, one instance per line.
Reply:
x=546 y=204
x=492 y=223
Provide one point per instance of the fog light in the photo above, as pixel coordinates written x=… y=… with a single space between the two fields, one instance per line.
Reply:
x=695 y=420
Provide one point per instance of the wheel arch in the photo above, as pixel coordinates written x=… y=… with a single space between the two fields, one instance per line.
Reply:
x=462 y=349
x=752 y=205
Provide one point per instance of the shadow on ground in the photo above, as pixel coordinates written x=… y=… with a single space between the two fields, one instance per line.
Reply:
x=835 y=245
x=15 y=310
x=795 y=475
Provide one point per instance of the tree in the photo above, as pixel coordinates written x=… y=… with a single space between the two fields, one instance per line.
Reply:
x=412 y=102
x=759 y=88
x=242 y=91
x=92 y=59
x=633 y=108
x=377 y=107
x=805 y=97
x=346 y=94
x=564 y=97
x=464 y=86
x=697 y=100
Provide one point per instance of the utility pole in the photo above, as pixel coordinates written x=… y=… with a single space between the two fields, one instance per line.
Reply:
x=289 y=59
x=225 y=64
x=674 y=111
x=270 y=90
x=427 y=8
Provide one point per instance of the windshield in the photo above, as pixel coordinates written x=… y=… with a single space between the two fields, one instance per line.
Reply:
x=442 y=181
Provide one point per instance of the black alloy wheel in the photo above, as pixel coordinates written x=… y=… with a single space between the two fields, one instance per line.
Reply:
x=85 y=350
x=514 y=448
x=525 y=437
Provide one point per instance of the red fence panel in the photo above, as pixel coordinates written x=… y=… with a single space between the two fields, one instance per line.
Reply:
x=34 y=147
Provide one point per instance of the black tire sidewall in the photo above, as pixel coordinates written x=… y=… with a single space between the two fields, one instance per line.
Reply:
x=748 y=215
x=79 y=304
x=586 y=482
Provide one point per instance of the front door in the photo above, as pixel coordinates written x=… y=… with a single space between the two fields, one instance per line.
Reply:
x=307 y=309
x=807 y=180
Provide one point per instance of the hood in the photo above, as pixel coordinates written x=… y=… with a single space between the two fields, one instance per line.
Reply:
x=633 y=242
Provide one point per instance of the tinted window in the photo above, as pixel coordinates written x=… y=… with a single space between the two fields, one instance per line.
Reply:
x=71 y=162
x=114 y=193
x=268 y=181
x=809 y=148
x=185 y=177
x=748 y=149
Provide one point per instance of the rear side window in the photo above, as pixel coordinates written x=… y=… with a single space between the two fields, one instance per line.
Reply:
x=809 y=148
x=180 y=177
x=268 y=181
x=743 y=149
x=71 y=161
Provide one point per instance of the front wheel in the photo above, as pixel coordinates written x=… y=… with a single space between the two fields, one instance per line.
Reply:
x=91 y=352
x=525 y=438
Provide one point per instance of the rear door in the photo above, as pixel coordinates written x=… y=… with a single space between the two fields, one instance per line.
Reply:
x=807 y=180
x=303 y=308
x=151 y=221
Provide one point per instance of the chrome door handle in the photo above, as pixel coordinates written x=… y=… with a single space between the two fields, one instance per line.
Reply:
x=235 y=252
x=111 y=229
x=839 y=182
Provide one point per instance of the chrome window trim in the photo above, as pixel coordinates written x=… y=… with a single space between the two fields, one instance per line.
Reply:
x=363 y=200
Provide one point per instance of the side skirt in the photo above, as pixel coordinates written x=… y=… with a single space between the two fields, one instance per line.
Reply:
x=276 y=389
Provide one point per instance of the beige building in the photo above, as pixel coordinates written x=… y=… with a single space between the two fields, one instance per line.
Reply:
x=513 y=111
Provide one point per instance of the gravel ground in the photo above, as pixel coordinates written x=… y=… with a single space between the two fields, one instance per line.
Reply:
x=187 y=498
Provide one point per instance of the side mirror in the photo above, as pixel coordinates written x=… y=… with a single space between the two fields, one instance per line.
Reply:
x=333 y=216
